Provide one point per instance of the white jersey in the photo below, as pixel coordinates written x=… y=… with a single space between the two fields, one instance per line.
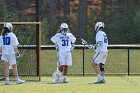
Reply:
x=101 y=36
x=63 y=41
x=8 y=43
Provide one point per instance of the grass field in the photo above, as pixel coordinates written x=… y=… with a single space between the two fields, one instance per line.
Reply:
x=117 y=61
x=77 y=84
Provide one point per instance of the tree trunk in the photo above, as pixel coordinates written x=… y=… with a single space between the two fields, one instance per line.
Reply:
x=52 y=17
x=66 y=11
x=82 y=18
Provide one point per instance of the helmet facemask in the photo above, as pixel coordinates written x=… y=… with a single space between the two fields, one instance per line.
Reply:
x=64 y=30
x=99 y=25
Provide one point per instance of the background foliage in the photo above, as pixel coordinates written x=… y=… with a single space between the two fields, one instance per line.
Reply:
x=121 y=17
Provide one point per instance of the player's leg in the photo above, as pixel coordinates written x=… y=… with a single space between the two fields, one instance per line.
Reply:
x=61 y=61
x=65 y=71
x=68 y=62
x=96 y=68
x=12 y=61
x=10 y=70
x=6 y=73
x=102 y=66
x=96 y=61
x=15 y=72
x=6 y=69
x=61 y=68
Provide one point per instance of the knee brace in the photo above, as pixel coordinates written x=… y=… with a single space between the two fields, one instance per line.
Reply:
x=102 y=67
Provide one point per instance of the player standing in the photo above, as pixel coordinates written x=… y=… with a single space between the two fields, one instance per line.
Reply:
x=101 y=52
x=9 y=46
x=64 y=41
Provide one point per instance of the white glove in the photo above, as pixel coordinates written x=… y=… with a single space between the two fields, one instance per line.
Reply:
x=72 y=47
x=91 y=47
x=17 y=55
x=56 y=46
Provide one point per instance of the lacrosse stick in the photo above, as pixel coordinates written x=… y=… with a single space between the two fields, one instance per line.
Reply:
x=57 y=76
x=84 y=42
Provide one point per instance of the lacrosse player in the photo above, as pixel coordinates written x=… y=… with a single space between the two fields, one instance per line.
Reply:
x=64 y=41
x=101 y=52
x=8 y=45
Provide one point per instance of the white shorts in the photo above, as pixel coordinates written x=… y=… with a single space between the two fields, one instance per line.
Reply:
x=65 y=59
x=100 y=57
x=9 y=58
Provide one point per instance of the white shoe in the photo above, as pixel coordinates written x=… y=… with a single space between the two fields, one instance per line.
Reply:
x=65 y=80
x=99 y=80
x=20 y=81
x=103 y=81
x=7 y=83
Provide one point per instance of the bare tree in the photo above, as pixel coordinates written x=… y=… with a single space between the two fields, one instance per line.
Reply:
x=66 y=11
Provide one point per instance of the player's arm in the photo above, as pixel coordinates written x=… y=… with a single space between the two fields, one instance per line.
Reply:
x=55 y=38
x=73 y=40
x=16 y=43
x=57 y=47
x=92 y=47
x=72 y=47
x=99 y=41
x=17 y=52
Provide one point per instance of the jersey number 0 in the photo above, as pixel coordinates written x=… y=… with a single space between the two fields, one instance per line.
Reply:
x=6 y=40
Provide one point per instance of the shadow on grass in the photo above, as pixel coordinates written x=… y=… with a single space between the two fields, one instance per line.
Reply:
x=54 y=83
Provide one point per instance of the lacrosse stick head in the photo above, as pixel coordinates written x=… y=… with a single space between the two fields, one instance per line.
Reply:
x=57 y=77
x=83 y=42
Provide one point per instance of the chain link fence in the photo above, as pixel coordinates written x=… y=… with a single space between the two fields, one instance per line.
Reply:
x=121 y=17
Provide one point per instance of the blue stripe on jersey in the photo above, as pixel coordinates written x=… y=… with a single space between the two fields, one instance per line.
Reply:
x=96 y=56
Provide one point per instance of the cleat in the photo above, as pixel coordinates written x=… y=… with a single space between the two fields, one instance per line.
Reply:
x=65 y=80
x=103 y=81
x=98 y=81
x=20 y=81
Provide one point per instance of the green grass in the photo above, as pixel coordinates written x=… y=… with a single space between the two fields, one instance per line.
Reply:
x=116 y=62
x=77 y=84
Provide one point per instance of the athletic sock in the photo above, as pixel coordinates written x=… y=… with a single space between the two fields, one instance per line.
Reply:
x=65 y=76
x=103 y=77
x=17 y=78
x=99 y=76
x=7 y=78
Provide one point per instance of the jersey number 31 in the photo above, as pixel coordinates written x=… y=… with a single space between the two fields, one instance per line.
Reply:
x=65 y=42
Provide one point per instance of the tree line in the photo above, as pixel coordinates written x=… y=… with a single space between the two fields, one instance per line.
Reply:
x=121 y=17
